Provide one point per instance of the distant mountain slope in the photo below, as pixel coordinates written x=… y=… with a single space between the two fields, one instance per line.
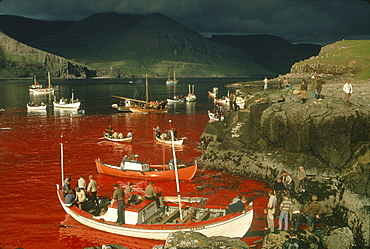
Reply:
x=18 y=60
x=345 y=58
x=138 y=44
x=27 y=30
x=272 y=52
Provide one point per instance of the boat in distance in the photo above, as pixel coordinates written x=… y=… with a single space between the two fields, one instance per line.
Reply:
x=33 y=107
x=118 y=139
x=146 y=220
x=77 y=113
x=138 y=170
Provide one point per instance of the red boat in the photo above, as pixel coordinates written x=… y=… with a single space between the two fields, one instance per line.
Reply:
x=137 y=170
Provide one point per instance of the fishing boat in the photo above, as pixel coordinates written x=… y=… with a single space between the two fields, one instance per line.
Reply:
x=178 y=141
x=141 y=106
x=123 y=106
x=33 y=107
x=139 y=170
x=191 y=97
x=173 y=81
x=117 y=138
x=213 y=94
x=64 y=103
x=176 y=98
x=215 y=117
x=144 y=219
x=77 y=113
x=38 y=88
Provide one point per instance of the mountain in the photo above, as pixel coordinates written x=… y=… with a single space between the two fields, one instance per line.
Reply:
x=272 y=52
x=27 y=30
x=152 y=44
x=18 y=60
x=349 y=58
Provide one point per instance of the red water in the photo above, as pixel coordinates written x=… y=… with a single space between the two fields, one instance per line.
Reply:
x=30 y=167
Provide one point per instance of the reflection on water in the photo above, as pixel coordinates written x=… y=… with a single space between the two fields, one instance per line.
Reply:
x=36 y=113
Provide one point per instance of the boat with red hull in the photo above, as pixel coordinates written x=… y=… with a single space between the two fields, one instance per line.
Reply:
x=139 y=170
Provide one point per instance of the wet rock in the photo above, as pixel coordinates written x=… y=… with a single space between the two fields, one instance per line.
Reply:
x=276 y=240
x=338 y=237
x=197 y=240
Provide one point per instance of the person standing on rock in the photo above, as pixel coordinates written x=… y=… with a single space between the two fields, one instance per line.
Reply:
x=313 y=212
x=266 y=83
x=285 y=211
x=302 y=178
x=303 y=91
x=347 y=88
x=313 y=86
x=296 y=215
x=319 y=83
x=293 y=241
x=271 y=211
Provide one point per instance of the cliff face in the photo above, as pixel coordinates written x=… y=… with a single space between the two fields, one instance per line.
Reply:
x=331 y=141
x=29 y=61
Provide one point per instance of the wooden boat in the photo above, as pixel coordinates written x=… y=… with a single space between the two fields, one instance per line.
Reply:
x=77 y=113
x=138 y=170
x=213 y=94
x=173 y=81
x=214 y=117
x=63 y=103
x=141 y=106
x=119 y=140
x=33 y=107
x=144 y=219
x=191 y=95
x=177 y=141
x=38 y=88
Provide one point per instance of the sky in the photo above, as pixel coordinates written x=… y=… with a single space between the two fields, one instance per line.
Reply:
x=298 y=21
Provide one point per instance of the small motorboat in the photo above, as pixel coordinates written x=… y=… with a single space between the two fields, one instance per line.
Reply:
x=77 y=113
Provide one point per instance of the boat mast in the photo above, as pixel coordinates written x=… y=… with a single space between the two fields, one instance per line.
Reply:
x=193 y=91
x=176 y=174
x=72 y=96
x=146 y=88
x=49 y=79
x=62 y=158
x=174 y=76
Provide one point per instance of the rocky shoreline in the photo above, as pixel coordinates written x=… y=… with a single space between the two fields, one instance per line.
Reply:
x=277 y=132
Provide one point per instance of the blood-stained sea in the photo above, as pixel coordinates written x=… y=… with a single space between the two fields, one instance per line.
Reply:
x=30 y=168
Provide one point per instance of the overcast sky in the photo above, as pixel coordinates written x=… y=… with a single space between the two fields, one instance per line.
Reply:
x=313 y=21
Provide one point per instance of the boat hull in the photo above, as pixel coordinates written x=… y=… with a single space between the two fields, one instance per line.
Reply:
x=75 y=105
x=141 y=110
x=36 y=108
x=232 y=225
x=119 y=140
x=183 y=173
x=178 y=141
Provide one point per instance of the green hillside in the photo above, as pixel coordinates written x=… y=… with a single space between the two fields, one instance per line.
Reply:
x=347 y=57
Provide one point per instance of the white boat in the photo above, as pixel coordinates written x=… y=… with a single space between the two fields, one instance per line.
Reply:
x=77 y=113
x=215 y=117
x=33 y=107
x=213 y=94
x=143 y=219
x=191 y=95
x=177 y=141
x=173 y=81
x=176 y=98
x=63 y=103
x=116 y=139
x=37 y=88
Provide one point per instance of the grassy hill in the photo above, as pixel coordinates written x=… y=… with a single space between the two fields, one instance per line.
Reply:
x=343 y=58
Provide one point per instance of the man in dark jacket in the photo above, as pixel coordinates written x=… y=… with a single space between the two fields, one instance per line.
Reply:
x=119 y=196
x=293 y=242
x=313 y=212
x=237 y=206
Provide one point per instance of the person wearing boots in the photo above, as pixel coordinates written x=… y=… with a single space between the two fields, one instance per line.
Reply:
x=303 y=91
x=313 y=212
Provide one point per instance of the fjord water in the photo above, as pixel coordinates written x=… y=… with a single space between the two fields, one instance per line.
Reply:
x=30 y=157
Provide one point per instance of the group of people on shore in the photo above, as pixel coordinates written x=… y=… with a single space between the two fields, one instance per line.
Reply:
x=315 y=86
x=281 y=193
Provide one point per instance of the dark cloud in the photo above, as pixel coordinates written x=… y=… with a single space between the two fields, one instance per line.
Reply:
x=320 y=21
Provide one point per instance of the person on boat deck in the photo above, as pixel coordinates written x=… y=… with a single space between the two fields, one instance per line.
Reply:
x=69 y=198
x=124 y=159
x=150 y=193
x=109 y=130
x=237 y=206
x=81 y=183
x=66 y=187
x=157 y=131
x=171 y=164
x=119 y=196
x=93 y=189
x=164 y=136
x=129 y=188
x=80 y=197
x=115 y=135
x=129 y=134
x=120 y=135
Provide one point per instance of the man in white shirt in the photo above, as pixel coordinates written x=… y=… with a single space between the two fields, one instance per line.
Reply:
x=347 y=88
